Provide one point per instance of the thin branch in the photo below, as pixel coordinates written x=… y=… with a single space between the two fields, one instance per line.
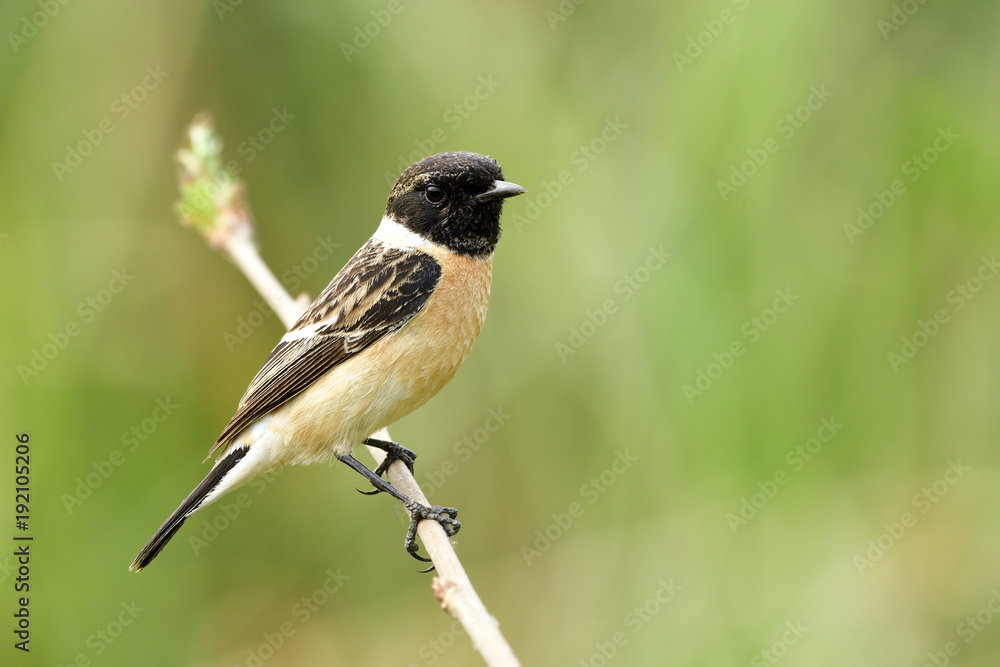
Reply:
x=213 y=202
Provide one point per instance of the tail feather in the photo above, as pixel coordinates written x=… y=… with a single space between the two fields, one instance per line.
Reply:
x=188 y=507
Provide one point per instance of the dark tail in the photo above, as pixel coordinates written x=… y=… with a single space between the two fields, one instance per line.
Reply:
x=190 y=504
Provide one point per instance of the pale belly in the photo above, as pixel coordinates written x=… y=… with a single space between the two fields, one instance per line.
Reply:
x=395 y=376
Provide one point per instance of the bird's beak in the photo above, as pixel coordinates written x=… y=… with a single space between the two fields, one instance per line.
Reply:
x=501 y=190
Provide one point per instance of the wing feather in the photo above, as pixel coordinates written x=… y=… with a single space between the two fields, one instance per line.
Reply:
x=377 y=292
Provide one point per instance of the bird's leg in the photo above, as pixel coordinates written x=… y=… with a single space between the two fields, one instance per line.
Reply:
x=446 y=516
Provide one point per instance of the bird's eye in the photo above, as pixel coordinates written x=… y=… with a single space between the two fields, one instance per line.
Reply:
x=434 y=194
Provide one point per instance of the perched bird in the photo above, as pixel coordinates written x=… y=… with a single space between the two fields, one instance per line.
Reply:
x=388 y=332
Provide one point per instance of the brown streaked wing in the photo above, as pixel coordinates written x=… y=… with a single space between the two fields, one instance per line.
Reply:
x=378 y=291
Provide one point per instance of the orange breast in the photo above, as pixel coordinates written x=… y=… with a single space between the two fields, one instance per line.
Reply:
x=434 y=345
x=396 y=375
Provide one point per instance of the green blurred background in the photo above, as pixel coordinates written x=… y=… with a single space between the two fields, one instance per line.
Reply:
x=647 y=499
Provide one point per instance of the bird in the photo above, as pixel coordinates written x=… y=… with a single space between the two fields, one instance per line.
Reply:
x=390 y=330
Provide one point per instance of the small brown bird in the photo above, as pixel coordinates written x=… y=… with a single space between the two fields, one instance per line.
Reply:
x=388 y=332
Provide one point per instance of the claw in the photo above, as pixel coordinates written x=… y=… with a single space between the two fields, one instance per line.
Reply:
x=447 y=517
x=374 y=492
x=420 y=558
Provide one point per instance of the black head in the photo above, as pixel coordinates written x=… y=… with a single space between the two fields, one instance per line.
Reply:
x=453 y=199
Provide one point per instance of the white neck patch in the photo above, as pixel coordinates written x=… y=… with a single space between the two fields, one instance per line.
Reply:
x=395 y=235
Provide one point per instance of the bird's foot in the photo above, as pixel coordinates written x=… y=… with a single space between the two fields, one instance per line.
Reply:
x=446 y=516
x=393 y=452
